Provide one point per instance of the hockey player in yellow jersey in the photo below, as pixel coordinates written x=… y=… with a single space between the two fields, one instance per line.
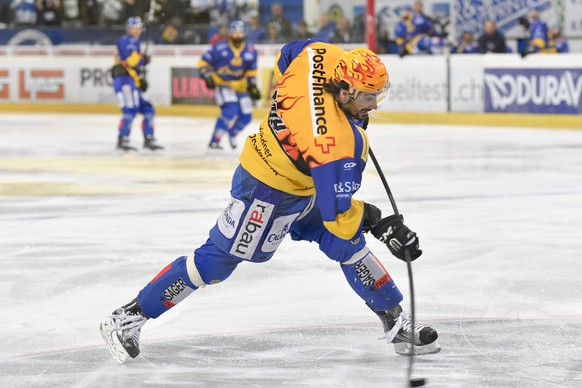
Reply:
x=297 y=176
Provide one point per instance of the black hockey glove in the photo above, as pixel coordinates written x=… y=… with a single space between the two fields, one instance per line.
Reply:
x=372 y=215
x=146 y=59
x=254 y=92
x=397 y=237
x=208 y=80
x=524 y=22
x=143 y=84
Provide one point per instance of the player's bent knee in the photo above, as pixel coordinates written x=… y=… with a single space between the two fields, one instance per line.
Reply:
x=244 y=120
x=359 y=255
x=193 y=273
x=342 y=250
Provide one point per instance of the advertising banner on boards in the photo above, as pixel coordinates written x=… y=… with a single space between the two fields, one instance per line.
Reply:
x=552 y=91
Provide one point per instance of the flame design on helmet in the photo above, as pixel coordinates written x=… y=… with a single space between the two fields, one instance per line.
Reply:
x=361 y=69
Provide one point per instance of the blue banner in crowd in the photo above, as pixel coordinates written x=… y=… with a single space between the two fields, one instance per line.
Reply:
x=472 y=14
x=46 y=36
x=533 y=90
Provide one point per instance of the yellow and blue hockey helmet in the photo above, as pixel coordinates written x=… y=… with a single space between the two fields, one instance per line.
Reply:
x=361 y=70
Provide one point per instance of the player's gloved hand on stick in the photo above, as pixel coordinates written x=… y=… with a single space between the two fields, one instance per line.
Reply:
x=372 y=215
x=208 y=80
x=254 y=92
x=146 y=59
x=143 y=84
x=397 y=237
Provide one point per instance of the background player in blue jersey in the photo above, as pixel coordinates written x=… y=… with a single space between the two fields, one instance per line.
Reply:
x=467 y=45
x=538 y=32
x=558 y=43
x=297 y=177
x=230 y=68
x=415 y=33
x=129 y=84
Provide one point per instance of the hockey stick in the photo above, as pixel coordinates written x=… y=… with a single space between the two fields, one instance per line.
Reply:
x=417 y=382
x=149 y=22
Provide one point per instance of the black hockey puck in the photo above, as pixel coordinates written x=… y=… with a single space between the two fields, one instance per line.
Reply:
x=417 y=382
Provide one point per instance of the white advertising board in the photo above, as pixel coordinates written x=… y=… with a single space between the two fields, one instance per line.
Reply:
x=419 y=83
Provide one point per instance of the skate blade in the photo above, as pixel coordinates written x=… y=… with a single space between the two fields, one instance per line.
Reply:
x=404 y=348
x=107 y=329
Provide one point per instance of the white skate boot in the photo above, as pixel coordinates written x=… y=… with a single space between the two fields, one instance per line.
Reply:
x=121 y=330
x=399 y=331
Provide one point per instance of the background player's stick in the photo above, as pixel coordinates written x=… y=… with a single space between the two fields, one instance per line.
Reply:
x=149 y=23
x=148 y=27
x=417 y=382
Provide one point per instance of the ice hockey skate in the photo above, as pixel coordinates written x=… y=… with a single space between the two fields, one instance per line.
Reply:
x=214 y=146
x=232 y=142
x=151 y=143
x=121 y=330
x=398 y=331
x=123 y=144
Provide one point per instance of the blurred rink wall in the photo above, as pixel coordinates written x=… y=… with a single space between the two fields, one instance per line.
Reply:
x=542 y=90
x=494 y=89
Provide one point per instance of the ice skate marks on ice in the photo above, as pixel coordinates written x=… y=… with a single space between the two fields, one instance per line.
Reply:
x=109 y=334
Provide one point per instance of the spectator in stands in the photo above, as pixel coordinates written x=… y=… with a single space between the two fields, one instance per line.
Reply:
x=192 y=36
x=4 y=13
x=171 y=32
x=112 y=12
x=221 y=34
x=274 y=34
x=467 y=44
x=256 y=33
x=343 y=32
x=421 y=21
x=198 y=12
x=302 y=31
x=538 y=32
x=280 y=22
x=326 y=28
x=140 y=7
x=75 y=12
x=491 y=41
x=91 y=14
x=171 y=11
x=23 y=12
x=358 y=29
x=413 y=34
x=49 y=12
x=557 y=41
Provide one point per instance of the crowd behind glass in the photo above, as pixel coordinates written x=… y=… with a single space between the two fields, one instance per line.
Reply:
x=205 y=21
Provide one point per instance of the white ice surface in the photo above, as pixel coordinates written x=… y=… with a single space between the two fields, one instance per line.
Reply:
x=83 y=229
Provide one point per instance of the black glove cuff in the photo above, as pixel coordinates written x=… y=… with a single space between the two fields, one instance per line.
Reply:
x=372 y=215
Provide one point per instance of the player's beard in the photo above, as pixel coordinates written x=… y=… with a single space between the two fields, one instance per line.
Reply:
x=236 y=42
x=362 y=115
